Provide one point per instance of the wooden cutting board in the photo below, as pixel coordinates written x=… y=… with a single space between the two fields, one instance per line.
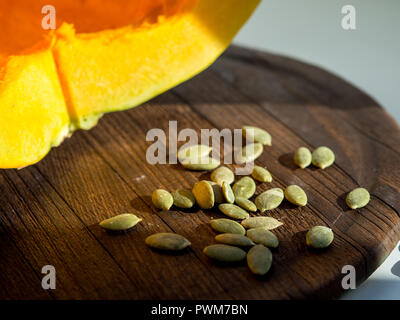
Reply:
x=49 y=212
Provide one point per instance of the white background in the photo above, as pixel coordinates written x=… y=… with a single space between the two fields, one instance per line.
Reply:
x=310 y=30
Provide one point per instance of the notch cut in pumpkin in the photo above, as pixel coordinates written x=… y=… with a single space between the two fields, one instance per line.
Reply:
x=105 y=56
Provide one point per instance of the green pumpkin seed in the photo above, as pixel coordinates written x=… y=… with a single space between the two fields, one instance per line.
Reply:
x=262 y=235
x=267 y=222
x=259 y=259
x=319 y=237
x=222 y=174
x=183 y=198
x=227 y=226
x=358 y=198
x=204 y=194
x=246 y=204
x=249 y=153
x=224 y=253
x=302 y=157
x=234 y=240
x=121 y=222
x=162 y=199
x=195 y=151
x=218 y=194
x=261 y=174
x=167 y=241
x=199 y=164
x=269 y=199
x=244 y=188
x=233 y=211
x=296 y=195
x=227 y=192
x=323 y=157
x=257 y=135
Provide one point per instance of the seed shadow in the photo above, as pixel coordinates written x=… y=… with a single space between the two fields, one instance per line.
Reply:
x=170 y=252
x=227 y=265
x=193 y=209
x=204 y=229
x=119 y=233
x=299 y=239
x=287 y=161
x=205 y=176
x=177 y=167
x=286 y=205
x=317 y=250
x=266 y=277
x=341 y=202
x=142 y=204
x=213 y=213
x=396 y=268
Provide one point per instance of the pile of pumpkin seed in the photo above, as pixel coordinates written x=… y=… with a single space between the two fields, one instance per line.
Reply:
x=252 y=238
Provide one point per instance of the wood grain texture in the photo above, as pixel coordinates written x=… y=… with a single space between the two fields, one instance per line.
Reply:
x=49 y=212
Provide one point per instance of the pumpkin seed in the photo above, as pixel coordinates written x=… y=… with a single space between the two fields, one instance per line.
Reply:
x=319 y=237
x=167 y=241
x=296 y=195
x=249 y=153
x=303 y=157
x=222 y=174
x=218 y=194
x=267 y=222
x=162 y=199
x=257 y=135
x=233 y=211
x=227 y=192
x=246 y=204
x=199 y=164
x=195 y=151
x=227 y=226
x=358 y=198
x=244 y=188
x=121 y=222
x=261 y=174
x=259 y=259
x=263 y=236
x=234 y=240
x=183 y=198
x=224 y=252
x=269 y=199
x=204 y=194
x=323 y=157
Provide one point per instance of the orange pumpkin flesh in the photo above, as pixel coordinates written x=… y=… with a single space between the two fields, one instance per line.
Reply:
x=104 y=56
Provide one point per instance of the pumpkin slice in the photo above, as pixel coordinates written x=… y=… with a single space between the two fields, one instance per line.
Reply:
x=105 y=56
x=33 y=113
x=118 y=69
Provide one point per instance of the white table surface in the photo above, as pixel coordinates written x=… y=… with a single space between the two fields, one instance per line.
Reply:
x=384 y=283
x=310 y=30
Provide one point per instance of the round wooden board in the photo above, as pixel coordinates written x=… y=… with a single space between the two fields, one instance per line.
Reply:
x=49 y=212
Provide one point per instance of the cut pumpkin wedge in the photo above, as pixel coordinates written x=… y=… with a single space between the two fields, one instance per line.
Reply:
x=123 y=54
x=33 y=113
